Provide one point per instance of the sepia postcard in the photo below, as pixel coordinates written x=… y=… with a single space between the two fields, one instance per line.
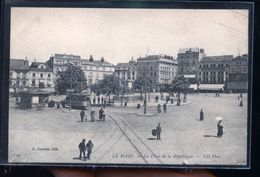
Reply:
x=129 y=86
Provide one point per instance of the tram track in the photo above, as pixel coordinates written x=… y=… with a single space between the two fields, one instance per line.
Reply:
x=137 y=143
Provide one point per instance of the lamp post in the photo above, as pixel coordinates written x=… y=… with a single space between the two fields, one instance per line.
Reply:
x=70 y=88
x=145 y=99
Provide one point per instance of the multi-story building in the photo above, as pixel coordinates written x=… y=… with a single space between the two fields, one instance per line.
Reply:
x=95 y=70
x=18 y=73
x=160 y=69
x=35 y=75
x=214 y=69
x=238 y=74
x=127 y=72
x=59 y=62
x=188 y=61
x=40 y=75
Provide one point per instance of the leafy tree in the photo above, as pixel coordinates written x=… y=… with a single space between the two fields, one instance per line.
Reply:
x=141 y=82
x=72 y=78
x=180 y=85
x=110 y=84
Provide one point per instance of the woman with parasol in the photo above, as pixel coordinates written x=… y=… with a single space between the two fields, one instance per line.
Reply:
x=220 y=127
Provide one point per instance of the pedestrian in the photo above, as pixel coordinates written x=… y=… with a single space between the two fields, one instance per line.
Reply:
x=238 y=97
x=58 y=105
x=82 y=115
x=102 y=100
x=178 y=102
x=241 y=95
x=82 y=149
x=101 y=111
x=103 y=115
x=98 y=100
x=94 y=100
x=125 y=104
x=156 y=98
x=159 y=108
x=92 y=115
x=104 y=105
x=138 y=105
x=158 y=131
x=171 y=100
x=89 y=147
x=63 y=103
x=164 y=107
x=220 y=129
x=241 y=103
x=201 y=114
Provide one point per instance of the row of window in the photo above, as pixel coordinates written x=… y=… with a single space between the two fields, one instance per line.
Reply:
x=213 y=73
x=238 y=69
x=188 y=56
x=96 y=68
x=213 y=65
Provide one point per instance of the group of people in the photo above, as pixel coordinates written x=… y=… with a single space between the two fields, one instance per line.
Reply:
x=164 y=108
x=92 y=115
x=83 y=147
x=98 y=100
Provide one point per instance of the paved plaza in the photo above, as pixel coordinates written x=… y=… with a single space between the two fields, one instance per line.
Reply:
x=53 y=135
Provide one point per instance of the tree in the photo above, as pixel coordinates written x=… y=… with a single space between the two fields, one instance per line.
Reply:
x=141 y=82
x=180 y=85
x=110 y=84
x=72 y=78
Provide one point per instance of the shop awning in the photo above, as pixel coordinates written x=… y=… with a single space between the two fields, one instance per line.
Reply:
x=211 y=87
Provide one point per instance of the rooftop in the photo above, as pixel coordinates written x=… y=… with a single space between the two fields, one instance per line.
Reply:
x=18 y=64
x=67 y=57
x=217 y=58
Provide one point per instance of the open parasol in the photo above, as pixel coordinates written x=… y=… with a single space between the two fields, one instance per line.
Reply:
x=218 y=118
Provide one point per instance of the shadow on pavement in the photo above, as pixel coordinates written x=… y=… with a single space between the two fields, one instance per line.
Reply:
x=210 y=136
x=152 y=138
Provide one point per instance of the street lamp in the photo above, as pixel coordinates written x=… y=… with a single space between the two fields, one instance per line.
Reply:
x=145 y=99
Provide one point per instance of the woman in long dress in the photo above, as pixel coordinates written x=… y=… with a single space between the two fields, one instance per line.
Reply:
x=220 y=129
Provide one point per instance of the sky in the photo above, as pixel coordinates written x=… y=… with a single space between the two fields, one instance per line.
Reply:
x=120 y=34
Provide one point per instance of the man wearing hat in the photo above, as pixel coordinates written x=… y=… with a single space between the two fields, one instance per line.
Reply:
x=82 y=149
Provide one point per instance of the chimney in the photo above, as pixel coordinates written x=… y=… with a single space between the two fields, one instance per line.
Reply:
x=102 y=59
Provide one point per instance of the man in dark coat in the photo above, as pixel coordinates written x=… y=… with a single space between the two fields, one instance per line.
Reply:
x=98 y=100
x=159 y=108
x=82 y=149
x=201 y=114
x=82 y=115
x=158 y=131
x=89 y=147
x=101 y=111
x=164 y=107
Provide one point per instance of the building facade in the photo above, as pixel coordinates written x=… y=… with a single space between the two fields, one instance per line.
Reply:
x=40 y=75
x=214 y=69
x=36 y=74
x=18 y=73
x=127 y=72
x=95 y=70
x=59 y=62
x=238 y=74
x=160 y=69
x=188 y=61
